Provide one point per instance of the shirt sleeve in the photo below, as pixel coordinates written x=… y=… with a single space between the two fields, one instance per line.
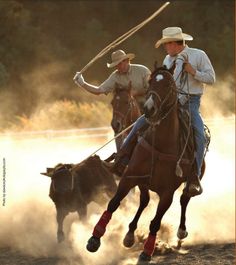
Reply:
x=146 y=78
x=108 y=85
x=205 y=72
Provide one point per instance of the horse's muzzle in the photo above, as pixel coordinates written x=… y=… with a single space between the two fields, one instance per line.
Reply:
x=116 y=126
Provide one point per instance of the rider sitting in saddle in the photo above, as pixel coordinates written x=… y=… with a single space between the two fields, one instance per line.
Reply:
x=125 y=75
x=191 y=70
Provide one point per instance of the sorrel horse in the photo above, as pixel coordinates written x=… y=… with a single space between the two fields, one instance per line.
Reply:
x=154 y=163
x=125 y=111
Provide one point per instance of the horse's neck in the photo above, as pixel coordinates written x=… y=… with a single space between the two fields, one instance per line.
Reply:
x=166 y=134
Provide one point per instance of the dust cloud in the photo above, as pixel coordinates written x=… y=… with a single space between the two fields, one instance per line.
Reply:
x=28 y=221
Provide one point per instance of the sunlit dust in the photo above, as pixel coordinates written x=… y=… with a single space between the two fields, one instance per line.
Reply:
x=28 y=221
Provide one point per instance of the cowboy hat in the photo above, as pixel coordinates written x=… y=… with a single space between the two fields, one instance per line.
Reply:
x=172 y=34
x=118 y=56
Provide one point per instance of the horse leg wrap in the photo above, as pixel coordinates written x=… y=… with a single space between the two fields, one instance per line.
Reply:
x=100 y=228
x=149 y=245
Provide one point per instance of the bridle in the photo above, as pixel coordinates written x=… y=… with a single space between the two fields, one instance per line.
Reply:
x=129 y=115
x=163 y=109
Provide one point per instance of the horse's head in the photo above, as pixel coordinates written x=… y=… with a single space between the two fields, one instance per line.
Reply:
x=161 y=96
x=125 y=108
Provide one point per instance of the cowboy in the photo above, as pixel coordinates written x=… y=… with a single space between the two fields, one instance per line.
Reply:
x=125 y=75
x=198 y=71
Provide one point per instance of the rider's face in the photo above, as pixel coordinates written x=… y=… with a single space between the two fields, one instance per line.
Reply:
x=123 y=66
x=171 y=48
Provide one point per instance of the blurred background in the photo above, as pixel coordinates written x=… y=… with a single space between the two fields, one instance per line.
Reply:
x=43 y=43
x=46 y=119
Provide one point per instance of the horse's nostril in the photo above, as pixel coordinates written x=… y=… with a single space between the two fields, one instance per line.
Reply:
x=115 y=125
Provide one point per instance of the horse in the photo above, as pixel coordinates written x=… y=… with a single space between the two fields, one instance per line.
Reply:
x=154 y=163
x=125 y=110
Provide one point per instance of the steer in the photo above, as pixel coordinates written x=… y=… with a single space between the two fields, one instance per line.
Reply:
x=74 y=186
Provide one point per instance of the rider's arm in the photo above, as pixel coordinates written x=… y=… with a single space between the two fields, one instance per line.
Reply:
x=205 y=72
x=104 y=88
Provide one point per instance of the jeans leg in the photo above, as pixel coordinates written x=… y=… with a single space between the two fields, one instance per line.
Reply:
x=140 y=122
x=198 y=128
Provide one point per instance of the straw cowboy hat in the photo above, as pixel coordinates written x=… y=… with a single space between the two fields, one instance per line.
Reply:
x=119 y=56
x=172 y=34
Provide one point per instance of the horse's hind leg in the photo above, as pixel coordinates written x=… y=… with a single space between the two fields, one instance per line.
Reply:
x=149 y=246
x=144 y=200
x=182 y=232
x=100 y=228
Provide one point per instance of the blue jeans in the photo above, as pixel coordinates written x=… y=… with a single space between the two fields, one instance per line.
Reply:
x=198 y=128
x=140 y=122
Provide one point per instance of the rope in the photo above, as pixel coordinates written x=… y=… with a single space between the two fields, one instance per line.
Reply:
x=118 y=135
x=124 y=37
x=179 y=171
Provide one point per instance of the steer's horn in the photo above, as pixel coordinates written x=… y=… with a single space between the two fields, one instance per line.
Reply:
x=46 y=174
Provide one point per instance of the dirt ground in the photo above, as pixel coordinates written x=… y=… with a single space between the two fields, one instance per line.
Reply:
x=212 y=254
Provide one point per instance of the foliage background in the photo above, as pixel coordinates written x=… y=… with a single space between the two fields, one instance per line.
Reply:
x=43 y=43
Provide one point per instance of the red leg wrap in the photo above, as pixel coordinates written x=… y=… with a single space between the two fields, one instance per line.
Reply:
x=149 y=245
x=100 y=228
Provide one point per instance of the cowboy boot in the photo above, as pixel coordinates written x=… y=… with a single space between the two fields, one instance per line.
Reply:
x=194 y=186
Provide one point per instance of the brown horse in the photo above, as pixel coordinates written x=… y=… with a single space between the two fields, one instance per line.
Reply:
x=154 y=163
x=125 y=111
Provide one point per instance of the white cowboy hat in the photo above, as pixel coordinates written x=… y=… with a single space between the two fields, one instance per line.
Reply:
x=172 y=34
x=118 y=56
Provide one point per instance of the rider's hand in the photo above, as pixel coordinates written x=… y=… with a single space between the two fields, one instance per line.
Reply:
x=78 y=78
x=188 y=68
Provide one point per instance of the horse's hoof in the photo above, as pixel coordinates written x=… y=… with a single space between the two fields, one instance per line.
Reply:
x=143 y=258
x=60 y=237
x=181 y=234
x=128 y=240
x=93 y=244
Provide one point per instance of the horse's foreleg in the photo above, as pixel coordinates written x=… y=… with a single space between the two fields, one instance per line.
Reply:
x=144 y=200
x=182 y=232
x=149 y=245
x=100 y=228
